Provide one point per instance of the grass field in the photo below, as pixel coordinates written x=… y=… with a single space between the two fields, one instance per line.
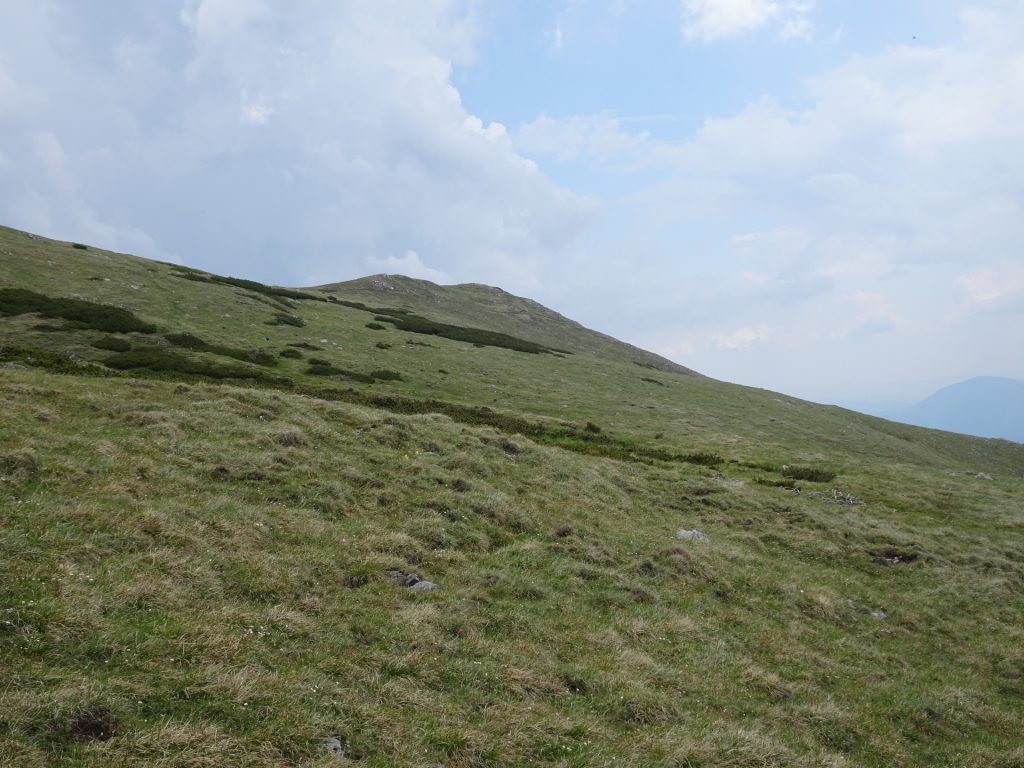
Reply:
x=195 y=555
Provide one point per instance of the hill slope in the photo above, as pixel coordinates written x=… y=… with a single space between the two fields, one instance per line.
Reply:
x=496 y=310
x=214 y=492
x=987 y=406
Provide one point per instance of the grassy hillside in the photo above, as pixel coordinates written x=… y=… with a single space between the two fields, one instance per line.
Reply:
x=497 y=310
x=212 y=490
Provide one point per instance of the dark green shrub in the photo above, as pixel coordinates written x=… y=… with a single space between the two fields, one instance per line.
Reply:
x=281 y=318
x=376 y=327
x=80 y=246
x=651 y=381
x=163 y=361
x=293 y=354
x=592 y=428
x=811 y=474
x=49 y=361
x=112 y=344
x=186 y=340
x=385 y=375
x=193 y=342
x=324 y=368
x=305 y=345
x=767 y=466
x=703 y=459
x=250 y=285
x=404 y=320
x=78 y=313
x=383 y=345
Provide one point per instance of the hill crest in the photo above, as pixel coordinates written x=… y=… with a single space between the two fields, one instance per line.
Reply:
x=494 y=309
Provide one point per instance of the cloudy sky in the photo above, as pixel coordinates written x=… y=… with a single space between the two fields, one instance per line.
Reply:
x=820 y=197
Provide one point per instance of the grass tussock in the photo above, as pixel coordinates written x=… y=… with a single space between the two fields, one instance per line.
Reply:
x=229 y=595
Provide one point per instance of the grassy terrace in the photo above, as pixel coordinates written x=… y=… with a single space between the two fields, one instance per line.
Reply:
x=195 y=557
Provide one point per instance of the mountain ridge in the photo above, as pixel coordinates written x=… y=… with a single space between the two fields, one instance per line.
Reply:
x=499 y=310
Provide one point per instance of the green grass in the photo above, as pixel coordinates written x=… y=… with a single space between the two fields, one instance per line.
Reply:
x=194 y=570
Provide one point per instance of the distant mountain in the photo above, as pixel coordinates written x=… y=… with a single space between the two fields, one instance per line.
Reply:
x=986 y=406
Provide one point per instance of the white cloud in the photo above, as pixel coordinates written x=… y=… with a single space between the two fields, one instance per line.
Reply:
x=363 y=146
x=598 y=139
x=991 y=284
x=710 y=20
x=899 y=177
x=255 y=111
x=678 y=350
x=409 y=264
x=873 y=314
x=742 y=337
x=50 y=153
x=209 y=19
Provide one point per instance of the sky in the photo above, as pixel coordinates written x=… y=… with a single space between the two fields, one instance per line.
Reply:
x=817 y=197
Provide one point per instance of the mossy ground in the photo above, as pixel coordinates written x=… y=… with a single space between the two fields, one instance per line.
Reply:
x=195 y=574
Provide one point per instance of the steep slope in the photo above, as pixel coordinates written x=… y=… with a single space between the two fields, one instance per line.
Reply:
x=214 y=492
x=987 y=406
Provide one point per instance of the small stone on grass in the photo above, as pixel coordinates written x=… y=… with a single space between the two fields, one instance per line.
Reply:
x=693 y=535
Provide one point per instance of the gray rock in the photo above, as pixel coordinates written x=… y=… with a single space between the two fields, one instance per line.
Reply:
x=879 y=615
x=983 y=476
x=405 y=579
x=423 y=586
x=334 y=746
x=693 y=535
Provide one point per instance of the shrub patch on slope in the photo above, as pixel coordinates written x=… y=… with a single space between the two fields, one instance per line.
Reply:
x=162 y=361
x=404 y=320
x=249 y=285
x=78 y=313
x=190 y=341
